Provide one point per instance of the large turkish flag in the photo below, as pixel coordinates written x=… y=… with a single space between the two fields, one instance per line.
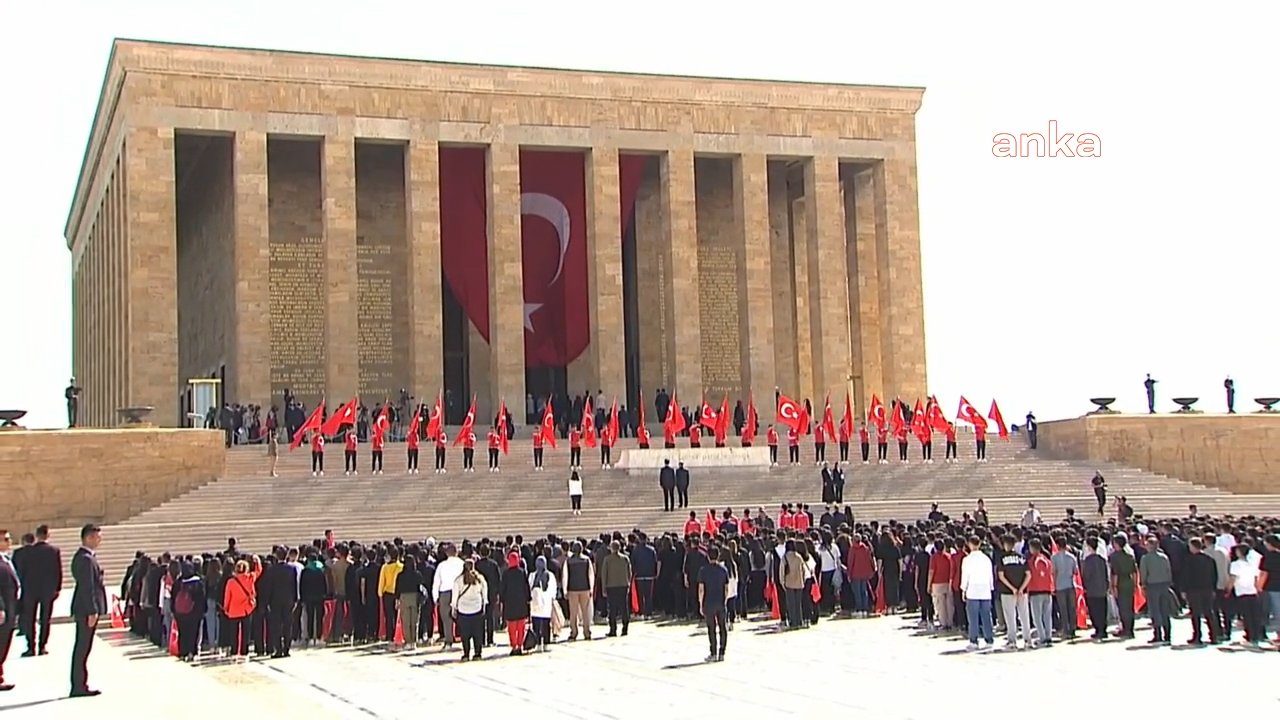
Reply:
x=553 y=240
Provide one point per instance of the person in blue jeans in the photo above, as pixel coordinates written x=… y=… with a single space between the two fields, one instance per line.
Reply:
x=977 y=584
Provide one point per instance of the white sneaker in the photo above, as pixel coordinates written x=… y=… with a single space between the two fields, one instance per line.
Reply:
x=971 y=647
x=313 y=473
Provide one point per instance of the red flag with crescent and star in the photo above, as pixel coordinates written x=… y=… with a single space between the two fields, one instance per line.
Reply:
x=899 y=420
x=383 y=422
x=998 y=419
x=749 y=431
x=829 y=421
x=346 y=415
x=414 y=422
x=707 y=417
x=436 y=420
x=588 y=424
x=846 y=421
x=613 y=420
x=553 y=231
x=937 y=420
x=549 y=425
x=468 y=423
x=314 y=421
x=721 y=429
x=503 y=441
x=674 y=422
x=791 y=414
x=968 y=413
x=919 y=423
x=642 y=432
x=875 y=413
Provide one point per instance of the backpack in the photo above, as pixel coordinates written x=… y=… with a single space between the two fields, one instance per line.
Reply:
x=183 y=603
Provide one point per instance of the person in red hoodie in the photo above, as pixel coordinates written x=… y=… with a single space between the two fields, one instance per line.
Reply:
x=537 y=449
x=819 y=444
x=864 y=442
x=378 y=444
x=352 y=446
x=469 y=451
x=786 y=519
x=842 y=437
x=317 y=454
x=951 y=442
x=442 y=441
x=695 y=437
x=668 y=437
x=980 y=441
x=940 y=585
x=901 y=436
x=860 y=568
x=495 y=443
x=793 y=446
x=575 y=448
x=771 y=439
x=411 y=443
x=606 y=448
x=692 y=526
x=882 y=445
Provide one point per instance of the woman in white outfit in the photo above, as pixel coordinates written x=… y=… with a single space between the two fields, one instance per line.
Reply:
x=542 y=584
x=575 y=492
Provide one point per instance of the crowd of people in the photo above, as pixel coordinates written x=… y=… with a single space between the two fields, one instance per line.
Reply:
x=1033 y=582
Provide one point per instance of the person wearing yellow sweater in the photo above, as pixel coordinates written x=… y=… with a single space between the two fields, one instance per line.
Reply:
x=387 y=591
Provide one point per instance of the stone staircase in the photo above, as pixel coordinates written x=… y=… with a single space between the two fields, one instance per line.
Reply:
x=260 y=511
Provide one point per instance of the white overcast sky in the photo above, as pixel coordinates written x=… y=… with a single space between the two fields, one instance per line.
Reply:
x=1047 y=281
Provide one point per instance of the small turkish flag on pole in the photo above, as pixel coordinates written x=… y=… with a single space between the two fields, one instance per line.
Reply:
x=436 y=421
x=875 y=413
x=750 y=430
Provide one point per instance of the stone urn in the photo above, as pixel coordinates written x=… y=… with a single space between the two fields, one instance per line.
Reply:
x=1184 y=404
x=1104 y=405
x=1268 y=404
x=9 y=419
x=134 y=416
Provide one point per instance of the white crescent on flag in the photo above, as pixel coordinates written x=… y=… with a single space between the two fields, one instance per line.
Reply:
x=549 y=208
x=788 y=410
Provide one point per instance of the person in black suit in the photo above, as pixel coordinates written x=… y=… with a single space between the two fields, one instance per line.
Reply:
x=280 y=594
x=40 y=574
x=88 y=603
x=8 y=603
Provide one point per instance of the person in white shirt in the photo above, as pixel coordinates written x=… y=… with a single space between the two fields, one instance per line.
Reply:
x=447 y=573
x=470 y=596
x=1242 y=583
x=575 y=492
x=1031 y=517
x=542 y=583
x=828 y=565
x=977 y=583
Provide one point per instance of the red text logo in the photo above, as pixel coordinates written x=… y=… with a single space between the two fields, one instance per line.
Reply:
x=1051 y=144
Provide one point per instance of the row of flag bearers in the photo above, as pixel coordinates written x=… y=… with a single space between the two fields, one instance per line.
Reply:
x=926 y=419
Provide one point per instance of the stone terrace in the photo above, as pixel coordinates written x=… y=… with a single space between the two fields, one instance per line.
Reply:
x=260 y=511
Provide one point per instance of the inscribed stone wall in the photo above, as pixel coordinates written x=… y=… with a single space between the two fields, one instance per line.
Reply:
x=297 y=273
x=654 y=364
x=719 y=248
x=206 y=274
x=382 y=277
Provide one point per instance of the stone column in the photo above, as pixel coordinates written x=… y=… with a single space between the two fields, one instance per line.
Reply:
x=153 y=277
x=426 y=309
x=506 y=284
x=248 y=373
x=804 y=304
x=901 y=295
x=606 y=356
x=824 y=222
x=783 y=281
x=680 y=265
x=751 y=207
x=864 y=288
x=342 y=348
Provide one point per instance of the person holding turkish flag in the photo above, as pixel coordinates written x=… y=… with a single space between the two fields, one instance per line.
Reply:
x=900 y=429
x=707 y=416
x=864 y=442
x=504 y=438
x=346 y=415
x=875 y=412
x=317 y=453
x=920 y=428
x=412 y=441
x=882 y=445
x=826 y=431
x=378 y=443
x=606 y=447
x=575 y=448
x=722 y=423
x=352 y=446
x=845 y=432
x=314 y=421
x=442 y=444
x=950 y=434
x=793 y=446
x=674 y=423
x=468 y=440
x=642 y=431
x=771 y=439
x=695 y=436
x=537 y=448
x=495 y=443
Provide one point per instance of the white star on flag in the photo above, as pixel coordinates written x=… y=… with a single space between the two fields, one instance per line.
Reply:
x=529 y=310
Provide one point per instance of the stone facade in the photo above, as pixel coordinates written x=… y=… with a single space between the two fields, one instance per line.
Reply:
x=67 y=478
x=1237 y=453
x=254 y=215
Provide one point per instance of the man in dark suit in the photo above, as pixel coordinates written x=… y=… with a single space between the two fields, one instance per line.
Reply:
x=8 y=603
x=88 y=603
x=667 y=480
x=40 y=572
x=682 y=485
x=280 y=592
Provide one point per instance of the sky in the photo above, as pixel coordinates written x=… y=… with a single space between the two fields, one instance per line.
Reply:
x=1047 y=281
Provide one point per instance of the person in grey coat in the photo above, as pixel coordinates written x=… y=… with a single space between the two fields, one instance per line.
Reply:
x=1064 y=583
x=1155 y=573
